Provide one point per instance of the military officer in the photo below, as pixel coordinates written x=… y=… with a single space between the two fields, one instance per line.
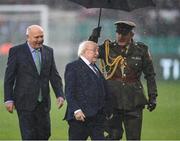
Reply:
x=122 y=62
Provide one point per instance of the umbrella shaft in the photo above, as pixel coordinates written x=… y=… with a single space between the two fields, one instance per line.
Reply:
x=99 y=17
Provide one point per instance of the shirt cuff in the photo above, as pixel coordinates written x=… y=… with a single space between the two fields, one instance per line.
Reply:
x=77 y=111
x=9 y=101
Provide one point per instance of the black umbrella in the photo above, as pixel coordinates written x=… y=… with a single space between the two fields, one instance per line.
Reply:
x=125 y=5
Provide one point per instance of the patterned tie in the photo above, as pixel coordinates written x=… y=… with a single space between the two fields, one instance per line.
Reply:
x=38 y=66
x=38 y=60
x=95 y=69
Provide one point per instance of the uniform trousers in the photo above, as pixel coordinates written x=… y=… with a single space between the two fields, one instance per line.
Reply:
x=130 y=120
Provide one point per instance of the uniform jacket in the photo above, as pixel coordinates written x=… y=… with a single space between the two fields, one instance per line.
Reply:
x=83 y=90
x=129 y=93
x=23 y=82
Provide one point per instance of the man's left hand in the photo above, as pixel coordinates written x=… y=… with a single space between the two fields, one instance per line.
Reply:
x=10 y=106
x=151 y=104
x=60 y=102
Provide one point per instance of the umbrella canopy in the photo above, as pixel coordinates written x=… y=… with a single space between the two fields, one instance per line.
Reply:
x=125 y=5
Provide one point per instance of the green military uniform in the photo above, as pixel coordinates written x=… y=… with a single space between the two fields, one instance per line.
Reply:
x=130 y=94
x=123 y=67
x=125 y=85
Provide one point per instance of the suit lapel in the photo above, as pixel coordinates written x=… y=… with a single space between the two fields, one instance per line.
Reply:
x=98 y=80
x=29 y=56
x=85 y=67
x=43 y=57
x=100 y=74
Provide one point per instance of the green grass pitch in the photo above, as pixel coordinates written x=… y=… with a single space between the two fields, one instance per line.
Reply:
x=161 y=124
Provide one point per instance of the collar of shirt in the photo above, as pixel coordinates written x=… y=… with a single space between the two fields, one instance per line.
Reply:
x=85 y=60
x=31 y=49
x=87 y=63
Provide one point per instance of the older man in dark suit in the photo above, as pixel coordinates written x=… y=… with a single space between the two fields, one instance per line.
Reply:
x=30 y=67
x=86 y=95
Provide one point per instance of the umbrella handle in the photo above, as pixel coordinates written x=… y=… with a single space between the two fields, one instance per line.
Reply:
x=99 y=17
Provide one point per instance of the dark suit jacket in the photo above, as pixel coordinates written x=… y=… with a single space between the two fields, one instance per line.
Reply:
x=83 y=90
x=22 y=82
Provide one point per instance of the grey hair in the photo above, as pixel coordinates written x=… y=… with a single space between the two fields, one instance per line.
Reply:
x=82 y=47
x=32 y=26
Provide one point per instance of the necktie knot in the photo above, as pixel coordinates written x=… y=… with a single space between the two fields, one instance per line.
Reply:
x=92 y=65
x=94 y=69
x=37 y=50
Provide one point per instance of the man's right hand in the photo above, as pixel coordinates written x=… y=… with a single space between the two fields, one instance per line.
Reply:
x=10 y=106
x=60 y=102
x=95 y=34
x=80 y=116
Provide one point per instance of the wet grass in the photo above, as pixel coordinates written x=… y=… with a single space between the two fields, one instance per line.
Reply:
x=161 y=124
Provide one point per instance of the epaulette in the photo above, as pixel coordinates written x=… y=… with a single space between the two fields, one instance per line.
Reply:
x=107 y=40
x=141 y=45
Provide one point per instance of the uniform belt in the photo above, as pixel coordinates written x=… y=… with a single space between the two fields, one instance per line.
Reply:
x=125 y=79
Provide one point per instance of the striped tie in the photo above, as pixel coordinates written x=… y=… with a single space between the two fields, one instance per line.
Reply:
x=95 y=69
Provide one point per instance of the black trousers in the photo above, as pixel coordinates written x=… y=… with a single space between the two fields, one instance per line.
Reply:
x=92 y=127
x=131 y=120
x=34 y=125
